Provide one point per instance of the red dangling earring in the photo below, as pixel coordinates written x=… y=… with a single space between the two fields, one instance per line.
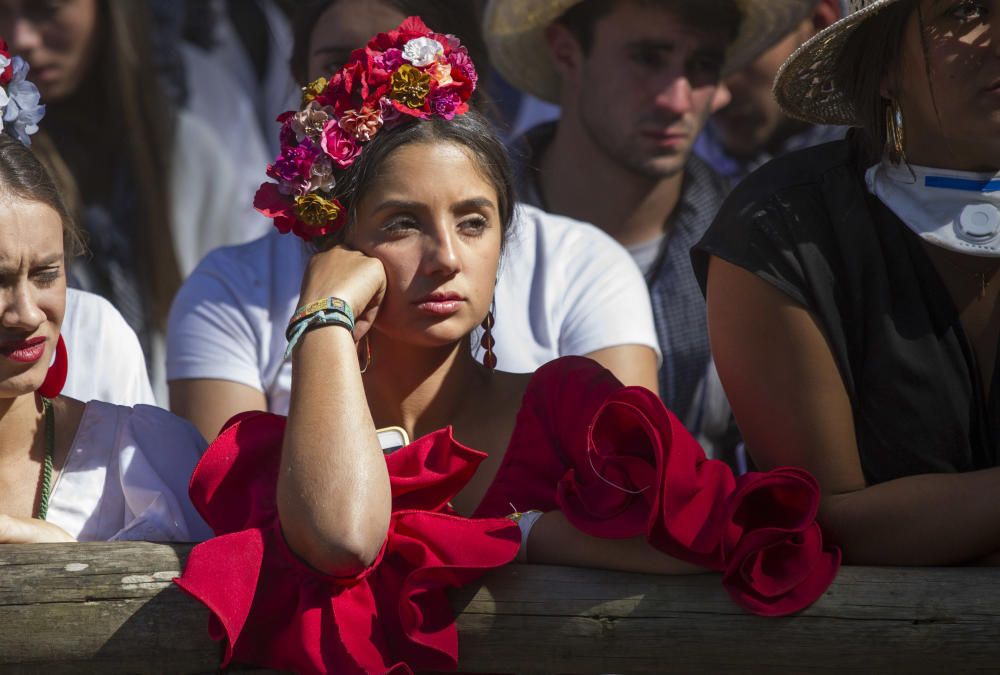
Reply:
x=487 y=342
x=56 y=377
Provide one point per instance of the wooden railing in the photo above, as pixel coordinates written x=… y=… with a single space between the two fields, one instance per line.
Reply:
x=110 y=608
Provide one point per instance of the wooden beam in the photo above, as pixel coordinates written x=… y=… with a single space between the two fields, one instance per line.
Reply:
x=111 y=608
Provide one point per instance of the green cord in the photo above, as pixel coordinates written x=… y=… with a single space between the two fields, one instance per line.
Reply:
x=50 y=442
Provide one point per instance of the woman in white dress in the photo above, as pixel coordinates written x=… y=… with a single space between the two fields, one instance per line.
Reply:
x=69 y=471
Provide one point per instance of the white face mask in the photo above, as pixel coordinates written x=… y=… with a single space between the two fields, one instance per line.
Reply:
x=956 y=210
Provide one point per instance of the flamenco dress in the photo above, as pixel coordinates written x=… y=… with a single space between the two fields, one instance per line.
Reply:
x=610 y=457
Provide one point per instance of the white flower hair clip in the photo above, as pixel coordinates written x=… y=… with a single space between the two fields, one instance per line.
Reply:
x=20 y=109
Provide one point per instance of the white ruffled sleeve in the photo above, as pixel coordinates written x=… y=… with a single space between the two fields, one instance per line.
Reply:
x=126 y=477
x=157 y=452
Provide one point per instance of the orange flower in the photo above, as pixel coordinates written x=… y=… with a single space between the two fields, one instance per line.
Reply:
x=363 y=124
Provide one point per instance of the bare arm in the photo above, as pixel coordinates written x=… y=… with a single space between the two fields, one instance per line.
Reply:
x=632 y=364
x=790 y=402
x=208 y=404
x=554 y=541
x=333 y=488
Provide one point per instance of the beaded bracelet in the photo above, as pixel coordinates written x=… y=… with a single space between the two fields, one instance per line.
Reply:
x=326 y=312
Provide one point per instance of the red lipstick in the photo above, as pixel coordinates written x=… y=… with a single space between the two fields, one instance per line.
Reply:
x=23 y=351
x=440 y=304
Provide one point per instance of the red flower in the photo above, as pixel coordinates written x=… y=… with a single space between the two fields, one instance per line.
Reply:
x=285 y=211
x=7 y=74
x=276 y=206
x=779 y=565
x=645 y=474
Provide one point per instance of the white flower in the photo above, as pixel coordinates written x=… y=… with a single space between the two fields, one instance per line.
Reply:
x=4 y=62
x=20 y=104
x=422 y=51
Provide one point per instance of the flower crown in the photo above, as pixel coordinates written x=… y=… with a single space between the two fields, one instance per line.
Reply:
x=20 y=110
x=410 y=72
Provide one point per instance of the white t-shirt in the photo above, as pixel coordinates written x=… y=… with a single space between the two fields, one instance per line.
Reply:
x=126 y=477
x=105 y=359
x=565 y=288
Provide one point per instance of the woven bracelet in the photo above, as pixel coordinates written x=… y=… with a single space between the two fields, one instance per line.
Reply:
x=318 y=319
x=331 y=303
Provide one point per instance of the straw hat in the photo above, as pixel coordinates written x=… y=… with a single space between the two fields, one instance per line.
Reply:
x=515 y=35
x=804 y=86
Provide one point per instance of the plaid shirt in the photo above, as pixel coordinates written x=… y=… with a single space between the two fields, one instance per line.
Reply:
x=678 y=304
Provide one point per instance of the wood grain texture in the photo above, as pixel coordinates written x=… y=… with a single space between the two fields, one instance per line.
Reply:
x=111 y=608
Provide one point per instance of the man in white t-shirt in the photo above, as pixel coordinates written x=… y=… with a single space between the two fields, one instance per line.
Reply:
x=565 y=288
x=105 y=358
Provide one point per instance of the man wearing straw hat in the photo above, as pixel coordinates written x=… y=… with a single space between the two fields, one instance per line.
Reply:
x=753 y=129
x=636 y=80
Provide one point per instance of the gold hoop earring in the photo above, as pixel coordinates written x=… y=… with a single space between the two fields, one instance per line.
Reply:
x=895 y=136
x=368 y=354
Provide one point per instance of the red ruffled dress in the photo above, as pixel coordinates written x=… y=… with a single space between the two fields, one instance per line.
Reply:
x=610 y=457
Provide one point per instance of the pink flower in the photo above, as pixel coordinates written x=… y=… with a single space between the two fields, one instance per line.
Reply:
x=293 y=164
x=339 y=145
x=387 y=109
x=293 y=167
x=309 y=122
x=389 y=60
x=445 y=103
x=459 y=59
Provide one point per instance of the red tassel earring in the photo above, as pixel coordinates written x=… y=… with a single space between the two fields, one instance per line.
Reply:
x=487 y=342
x=56 y=377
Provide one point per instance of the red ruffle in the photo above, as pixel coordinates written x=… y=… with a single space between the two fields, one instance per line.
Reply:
x=273 y=610
x=642 y=473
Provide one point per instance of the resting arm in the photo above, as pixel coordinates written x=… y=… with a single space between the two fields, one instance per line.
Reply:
x=333 y=486
x=208 y=403
x=791 y=405
x=334 y=499
x=554 y=541
x=632 y=364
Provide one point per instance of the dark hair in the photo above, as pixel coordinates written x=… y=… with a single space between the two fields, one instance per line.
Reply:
x=713 y=15
x=22 y=176
x=871 y=53
x=134 y=121
x=471 y=131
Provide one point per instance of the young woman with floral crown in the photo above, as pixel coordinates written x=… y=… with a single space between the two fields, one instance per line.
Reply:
x=406 y=194
x=225 y=337
x=852 y=288
x=69 y=471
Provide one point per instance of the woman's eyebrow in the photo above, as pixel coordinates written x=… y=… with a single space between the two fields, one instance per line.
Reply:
x=473 y=204
x=401 y=204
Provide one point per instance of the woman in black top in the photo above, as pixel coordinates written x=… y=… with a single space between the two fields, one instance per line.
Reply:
x=853 y=291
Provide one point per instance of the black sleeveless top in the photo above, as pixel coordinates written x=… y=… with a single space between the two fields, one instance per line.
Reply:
x=806 y=224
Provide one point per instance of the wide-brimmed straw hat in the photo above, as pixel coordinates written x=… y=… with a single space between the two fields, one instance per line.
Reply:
x=515 y=35
x=805 y=86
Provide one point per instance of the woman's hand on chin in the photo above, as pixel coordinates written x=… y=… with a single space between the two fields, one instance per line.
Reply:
x=350 y=275
x=15 y=530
